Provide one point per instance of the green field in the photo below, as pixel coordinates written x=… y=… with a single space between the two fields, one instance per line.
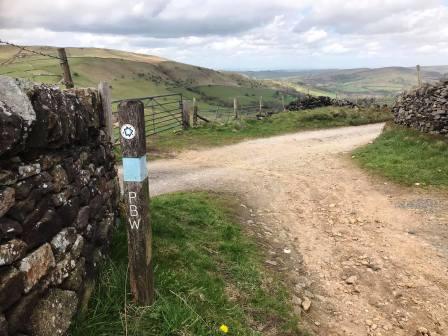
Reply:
x=383 y=83
x=407 y=156
x=208 y=272
x=134 y=75
x=245 y=96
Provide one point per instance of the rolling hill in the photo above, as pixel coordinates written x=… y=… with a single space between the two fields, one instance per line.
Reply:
x=136 y=75
x=380 y=82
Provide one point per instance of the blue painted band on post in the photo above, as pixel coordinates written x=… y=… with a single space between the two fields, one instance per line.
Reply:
x=134 y=169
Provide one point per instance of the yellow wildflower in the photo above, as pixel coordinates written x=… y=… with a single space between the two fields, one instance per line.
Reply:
x=224 y=328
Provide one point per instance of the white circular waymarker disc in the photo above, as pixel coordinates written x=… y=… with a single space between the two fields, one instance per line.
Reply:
x=128 y=131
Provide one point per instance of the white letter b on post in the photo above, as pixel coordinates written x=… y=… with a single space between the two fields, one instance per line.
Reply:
x=133 y=212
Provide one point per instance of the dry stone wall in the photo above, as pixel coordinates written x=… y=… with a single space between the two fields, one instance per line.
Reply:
x=424 y=109
x=58 y=203
x=312 y=102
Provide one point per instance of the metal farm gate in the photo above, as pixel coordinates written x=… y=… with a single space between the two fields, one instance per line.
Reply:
x=162 y=113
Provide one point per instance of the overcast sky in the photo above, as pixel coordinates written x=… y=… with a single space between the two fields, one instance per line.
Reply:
x=244 y=34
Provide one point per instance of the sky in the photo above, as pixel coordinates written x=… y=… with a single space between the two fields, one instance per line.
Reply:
x=241 y=35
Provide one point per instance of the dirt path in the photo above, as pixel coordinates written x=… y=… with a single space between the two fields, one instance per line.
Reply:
x=371 y=256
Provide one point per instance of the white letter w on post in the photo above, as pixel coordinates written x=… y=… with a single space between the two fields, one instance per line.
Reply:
x=135 y=224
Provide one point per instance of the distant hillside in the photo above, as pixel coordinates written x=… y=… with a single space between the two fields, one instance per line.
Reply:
x=363 y=82
x=131 y=74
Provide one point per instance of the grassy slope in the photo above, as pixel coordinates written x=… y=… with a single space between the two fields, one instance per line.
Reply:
x=407 y=156
x=285 y=122
x=379 y=82
x=130 y=74
x=312 y=90
x=207 y=273
x=245 y=96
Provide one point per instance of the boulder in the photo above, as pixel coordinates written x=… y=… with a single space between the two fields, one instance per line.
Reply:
x=11 y=130
x=7 y=199
x=36 y=265
x=12 y=251
x=45 y=228
x=18 y=316
x=63 y=241
x=14 y=93
x=76 y=277
x=11 y=287
x=53 y=314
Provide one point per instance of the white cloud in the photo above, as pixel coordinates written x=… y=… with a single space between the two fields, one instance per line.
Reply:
x=138 y=8
x=335 y=48
x=314 y=35
x=251 y=33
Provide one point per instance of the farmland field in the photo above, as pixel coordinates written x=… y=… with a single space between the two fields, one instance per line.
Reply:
x=381 y=82
x=134 y=75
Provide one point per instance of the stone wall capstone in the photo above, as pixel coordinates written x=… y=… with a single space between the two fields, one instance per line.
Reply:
x=424 y=109
x=59 y=198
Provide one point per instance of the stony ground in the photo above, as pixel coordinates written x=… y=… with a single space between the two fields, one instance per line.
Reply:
x=365 y=257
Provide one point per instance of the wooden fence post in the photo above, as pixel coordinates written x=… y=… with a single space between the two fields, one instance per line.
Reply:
x=419 y=76
x=195 y=112
x=106 y=118
x=235 y=108
x=68 y=81
x=283 y=103
x=136 y=196
x=261 y=105
x=185 y=115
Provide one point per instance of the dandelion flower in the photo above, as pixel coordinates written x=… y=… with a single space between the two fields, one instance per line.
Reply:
x=224 y=328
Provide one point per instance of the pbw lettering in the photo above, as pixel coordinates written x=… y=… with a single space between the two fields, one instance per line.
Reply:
x=134 y=217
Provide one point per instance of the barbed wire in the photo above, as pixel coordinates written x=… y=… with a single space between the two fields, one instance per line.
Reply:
x=29 y=50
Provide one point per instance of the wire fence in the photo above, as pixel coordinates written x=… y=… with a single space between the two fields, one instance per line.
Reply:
x=66 y=77
x=23 y=48
x=223 y=114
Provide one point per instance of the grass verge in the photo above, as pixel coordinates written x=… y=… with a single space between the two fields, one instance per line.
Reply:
x=215 y=134
x=207 y=273
x=407 y=156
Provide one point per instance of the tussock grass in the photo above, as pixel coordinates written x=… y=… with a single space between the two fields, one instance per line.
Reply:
x=208 y=273
x=407 y=156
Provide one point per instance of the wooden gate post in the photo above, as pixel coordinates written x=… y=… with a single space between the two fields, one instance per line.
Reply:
x=235 y=108
x=136 y=197
x=68 y=81
x=185 y=115
x=106 y=118
x=195 y=112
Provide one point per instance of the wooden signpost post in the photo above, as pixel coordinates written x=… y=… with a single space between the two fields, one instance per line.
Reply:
x=136 y=196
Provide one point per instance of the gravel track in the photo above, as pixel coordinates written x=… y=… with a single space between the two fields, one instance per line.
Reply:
x=370 y=255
